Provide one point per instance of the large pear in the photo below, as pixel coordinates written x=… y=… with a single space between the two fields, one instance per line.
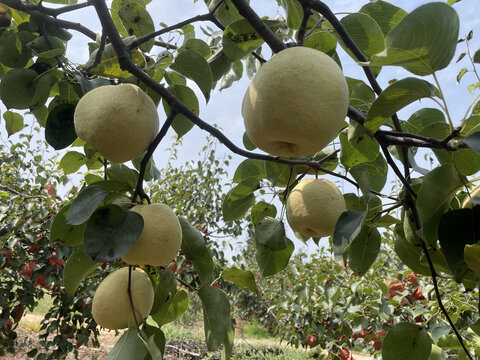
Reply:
x=296 y=104
x=119 y=121
x=314 y=206
x=467 y=203
x=111 y=306
x=161 y=237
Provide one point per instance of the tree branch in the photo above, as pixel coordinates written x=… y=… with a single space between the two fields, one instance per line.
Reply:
x=47 y=15
x=307 y=12
x=143 y=165
x=257 y=23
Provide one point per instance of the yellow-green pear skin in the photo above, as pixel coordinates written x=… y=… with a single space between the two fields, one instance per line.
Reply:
x=111 y=307
x=161 y=237
x=119 y=121
x=314 y=206
x=296 y=104
x=467 y=203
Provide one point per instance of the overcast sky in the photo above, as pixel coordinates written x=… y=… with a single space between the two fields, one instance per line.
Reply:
x=224 y=107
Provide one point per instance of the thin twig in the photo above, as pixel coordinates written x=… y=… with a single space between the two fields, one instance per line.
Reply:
x=143 y=165
x=98 y=56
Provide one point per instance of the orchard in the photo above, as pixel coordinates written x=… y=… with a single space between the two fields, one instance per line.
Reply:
x=349 y=142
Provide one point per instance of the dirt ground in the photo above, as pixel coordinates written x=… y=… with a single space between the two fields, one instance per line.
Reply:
x=175 y=349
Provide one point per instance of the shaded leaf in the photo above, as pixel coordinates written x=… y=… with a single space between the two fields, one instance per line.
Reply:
x=111 y=232
x=181 y=124
x=261 y=210
x=271 y=262
x=406 y=341
x=85 y=204
x=347 y=228
x=60 y=129
x=18 y=87
x=434 y=197
x=69 y=235
x=270 y=233
x=216 y=315
x=364 y=249
x=191 y=64
x=78 y=265
x=13 y=122
x=129 y=347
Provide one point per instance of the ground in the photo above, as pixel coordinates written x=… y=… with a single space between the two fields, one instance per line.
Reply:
x=176 y=348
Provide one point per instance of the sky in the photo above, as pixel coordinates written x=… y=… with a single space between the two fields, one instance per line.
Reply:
x=224 y=106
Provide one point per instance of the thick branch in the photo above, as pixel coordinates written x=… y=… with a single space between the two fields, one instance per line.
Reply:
x=47 y=16
x=257 y=23
x=323 y=9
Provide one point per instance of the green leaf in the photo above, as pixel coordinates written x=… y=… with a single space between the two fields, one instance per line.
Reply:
x=394 y=98
x=371 y=175
x=261 y=210
x=476 y=57
x=249 y=168
x=155 y=343
x=242 y=279
x=69 y=235
x=123 y=173
x=228 y=343
x=471 y=256
x=349 y=155
x=137 y=21
x=322 y=41
x=111 y=232
x=466 y=161
x=278 y=174
x=173 y=309
x=428 y=122
x=226 y=13
x=191 y=64
x=60 y=129
x=385 y=14
x=78 y=265
x=18 y=87
x=239 y=199
x=216 y=315
x=365 y=32
x=165 y=289
x=405 y=341
x=434 y=197
x=85 y=204
x=362 y=142
x=130 y=346
x=270 y=233
x=410 y=255
x=198 y=45
x=13 y=122
x=424 y=41
x=240 y=38
x=10 y=54
x=271 y=262
x=181 y=124
x=219 y=64
x=347 y=228
x=456 y=229
x=473 y=141
x=194 y=248
x=72 y=161
x=364 y=249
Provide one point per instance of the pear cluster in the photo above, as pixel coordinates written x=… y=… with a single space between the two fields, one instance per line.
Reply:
x=295 y=106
